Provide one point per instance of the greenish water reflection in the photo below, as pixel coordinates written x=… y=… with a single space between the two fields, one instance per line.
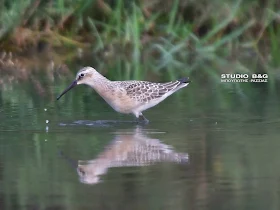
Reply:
x=128 y=150
x=231 y=140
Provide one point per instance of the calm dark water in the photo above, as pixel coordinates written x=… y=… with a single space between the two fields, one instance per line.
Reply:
x=203 y=149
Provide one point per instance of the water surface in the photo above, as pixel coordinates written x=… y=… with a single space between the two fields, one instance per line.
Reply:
x=201 y=150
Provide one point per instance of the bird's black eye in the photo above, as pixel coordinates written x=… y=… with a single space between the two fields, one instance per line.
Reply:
x=82 y=75
x=81 y=172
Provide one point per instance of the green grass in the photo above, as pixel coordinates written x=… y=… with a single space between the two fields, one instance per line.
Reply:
x=169 y=36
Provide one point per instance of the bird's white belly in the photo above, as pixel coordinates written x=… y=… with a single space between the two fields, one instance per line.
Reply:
x=148 y=105
x=120 y=105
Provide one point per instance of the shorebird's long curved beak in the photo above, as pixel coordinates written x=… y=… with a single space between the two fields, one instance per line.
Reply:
x=74 y=83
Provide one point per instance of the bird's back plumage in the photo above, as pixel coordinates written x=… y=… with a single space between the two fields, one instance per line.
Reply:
x=144 y=91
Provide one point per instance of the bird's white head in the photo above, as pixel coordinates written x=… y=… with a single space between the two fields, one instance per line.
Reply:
x=86 y=75
x=90 y=173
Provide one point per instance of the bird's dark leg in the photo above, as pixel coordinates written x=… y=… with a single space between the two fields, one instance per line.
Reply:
x=142 y=119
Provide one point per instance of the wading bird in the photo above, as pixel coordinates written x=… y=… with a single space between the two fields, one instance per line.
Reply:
x=128 y=97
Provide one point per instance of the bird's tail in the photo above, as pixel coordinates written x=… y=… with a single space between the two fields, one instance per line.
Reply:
x=184 y=80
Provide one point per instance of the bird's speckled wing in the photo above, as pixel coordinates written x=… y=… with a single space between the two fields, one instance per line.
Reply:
x=144 y=91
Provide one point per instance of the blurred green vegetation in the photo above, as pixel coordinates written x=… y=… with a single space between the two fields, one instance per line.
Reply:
x=137 y=39
x=171 y=30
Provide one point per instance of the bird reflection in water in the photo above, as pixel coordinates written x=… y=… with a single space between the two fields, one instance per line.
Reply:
x=127 y=150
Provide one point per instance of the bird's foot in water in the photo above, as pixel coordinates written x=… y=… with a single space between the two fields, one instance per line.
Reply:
x=142 y=120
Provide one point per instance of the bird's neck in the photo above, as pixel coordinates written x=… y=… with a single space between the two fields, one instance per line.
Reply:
x=101 y=84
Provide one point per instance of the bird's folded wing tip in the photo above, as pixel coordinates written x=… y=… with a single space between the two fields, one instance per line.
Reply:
x=184 y=80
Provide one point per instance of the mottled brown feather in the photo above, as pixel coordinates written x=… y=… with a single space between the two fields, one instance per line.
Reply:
x=144 y=91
